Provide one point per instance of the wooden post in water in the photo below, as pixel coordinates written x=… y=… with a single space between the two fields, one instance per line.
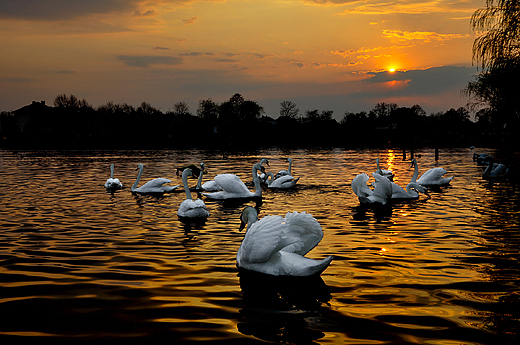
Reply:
x=404 y=154
x=411 y=154
x=436 y=154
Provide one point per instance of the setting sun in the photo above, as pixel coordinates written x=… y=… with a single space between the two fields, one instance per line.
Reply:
x=391 y=70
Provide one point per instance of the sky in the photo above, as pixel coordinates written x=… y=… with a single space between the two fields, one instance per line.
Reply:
x=339 y=55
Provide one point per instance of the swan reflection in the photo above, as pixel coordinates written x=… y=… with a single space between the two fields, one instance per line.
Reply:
x=282 y=309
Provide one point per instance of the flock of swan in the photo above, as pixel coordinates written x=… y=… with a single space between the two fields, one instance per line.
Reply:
x=276 y=245
x=493 y=170
x=385 y=189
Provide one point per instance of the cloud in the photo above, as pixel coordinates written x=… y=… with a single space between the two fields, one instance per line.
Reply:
x=190 y=21
x=425 y=37
x=148 y=61
x=426 y=81
x=61 y=9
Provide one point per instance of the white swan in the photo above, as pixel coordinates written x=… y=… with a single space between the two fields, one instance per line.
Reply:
x=412 y=188
x=190 y=208
x=283 y=171
x=283 y=182
x=113 y=183
x=495 y=170
x=234 y=188
x=200 y=171
x=277 y=245
x=434 y=177
x=154 y=186
x=381 y=193
x=385 y=173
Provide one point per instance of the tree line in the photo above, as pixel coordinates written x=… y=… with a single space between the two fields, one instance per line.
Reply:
x=236 y=123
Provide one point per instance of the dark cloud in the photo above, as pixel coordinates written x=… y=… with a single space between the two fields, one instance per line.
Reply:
x=61 y=9
x=427 y=81
x=149 y=61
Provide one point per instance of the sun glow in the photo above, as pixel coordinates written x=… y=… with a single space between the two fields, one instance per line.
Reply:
x=391 y=70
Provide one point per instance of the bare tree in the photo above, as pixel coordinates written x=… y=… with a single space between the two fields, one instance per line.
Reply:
x=289 y=109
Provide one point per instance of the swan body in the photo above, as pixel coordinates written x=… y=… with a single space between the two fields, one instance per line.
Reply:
x=285 y=172
x=283 y=182
x=380 y=195
x=113 y=183
x=153 y=186
x=234 y=188
x=411 y=192
x=385 y=173
x=277 y=245
x=434 y=177
x=495 y=170
x=190 y=208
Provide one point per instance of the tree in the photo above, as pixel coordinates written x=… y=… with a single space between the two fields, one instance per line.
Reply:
x=208 y=110
x=181 y=108
x=289 y=109
x=498 y=27
x=64 y=101
x=497 y=50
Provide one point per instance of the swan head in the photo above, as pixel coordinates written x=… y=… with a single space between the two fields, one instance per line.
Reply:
x=419 y=188
x=413 y=163
x=139 y=166
x=247 y=217
x=264 y=161
x=187 y=172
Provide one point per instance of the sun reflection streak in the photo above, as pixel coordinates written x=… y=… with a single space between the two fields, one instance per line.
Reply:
x=390 y=160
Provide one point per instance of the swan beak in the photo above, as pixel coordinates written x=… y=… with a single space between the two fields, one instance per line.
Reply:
x=242 y=225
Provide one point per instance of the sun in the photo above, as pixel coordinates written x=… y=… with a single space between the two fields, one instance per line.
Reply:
x=391 y=70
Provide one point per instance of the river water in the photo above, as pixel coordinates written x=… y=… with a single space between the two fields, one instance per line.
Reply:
x=78 y=262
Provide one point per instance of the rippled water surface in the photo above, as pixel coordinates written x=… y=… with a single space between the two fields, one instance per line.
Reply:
x=78 y=262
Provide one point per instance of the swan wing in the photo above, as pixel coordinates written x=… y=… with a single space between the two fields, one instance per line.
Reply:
x=359 y=186
x=382 y=190
x=301 y=234
x=261 y=241
x=231 y=183
x=193 y=209
x=211 y=186
x=285 y=181
x=155 y=183
x=432 y=175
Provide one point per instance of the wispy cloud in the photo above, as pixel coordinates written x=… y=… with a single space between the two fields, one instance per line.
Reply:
x=190 y=21
x=424 y=37
x=148 y=61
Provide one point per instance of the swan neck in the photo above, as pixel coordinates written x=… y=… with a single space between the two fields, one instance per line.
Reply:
x=134 y=186
x=415 y=172
x=256 y=180
x=112 y=170
x=185 y=174
x=410 y=191
x=199 y=181
x=290 y=165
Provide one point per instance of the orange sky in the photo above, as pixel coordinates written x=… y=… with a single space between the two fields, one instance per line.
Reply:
x=320 y=54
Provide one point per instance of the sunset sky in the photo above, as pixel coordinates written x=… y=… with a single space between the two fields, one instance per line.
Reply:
x=340 y=55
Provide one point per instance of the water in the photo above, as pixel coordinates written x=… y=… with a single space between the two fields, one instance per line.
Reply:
x=80 y=263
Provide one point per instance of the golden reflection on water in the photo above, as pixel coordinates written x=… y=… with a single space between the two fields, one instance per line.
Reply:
x=118 y=260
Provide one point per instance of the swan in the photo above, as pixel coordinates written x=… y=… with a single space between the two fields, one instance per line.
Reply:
x=482 y=158
x=277 y=245
x=283 y=182
x=385 y=173
x=412 y=189
x=153 y=186
x=113 y=183
x=495 y=170
x=285 y=172
x=433 y=177
x=190 y=208
x=381 y=193
x=234 y=188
